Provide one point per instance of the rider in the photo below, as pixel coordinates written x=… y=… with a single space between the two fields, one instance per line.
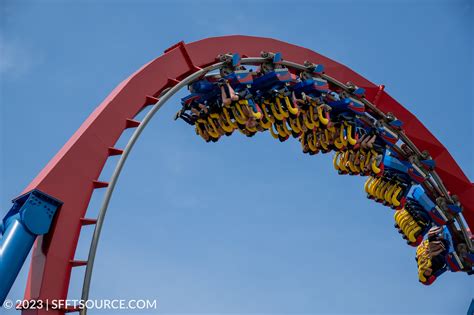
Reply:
x=431 y=256
x=227 y=93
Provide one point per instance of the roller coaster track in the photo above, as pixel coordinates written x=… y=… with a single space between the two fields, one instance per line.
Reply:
x=72 y=175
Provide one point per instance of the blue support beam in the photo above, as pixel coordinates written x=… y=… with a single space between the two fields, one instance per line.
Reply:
x=30 y=216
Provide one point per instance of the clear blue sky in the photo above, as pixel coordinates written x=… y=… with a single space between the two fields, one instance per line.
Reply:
x=245 y=225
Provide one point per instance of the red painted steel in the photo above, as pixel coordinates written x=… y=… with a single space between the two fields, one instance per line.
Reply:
x=71 y=174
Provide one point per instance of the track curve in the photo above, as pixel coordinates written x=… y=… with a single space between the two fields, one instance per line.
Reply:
x=72 y=174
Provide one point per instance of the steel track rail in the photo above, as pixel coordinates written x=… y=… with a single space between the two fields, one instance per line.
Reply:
x=118 y=169
x=163 y=99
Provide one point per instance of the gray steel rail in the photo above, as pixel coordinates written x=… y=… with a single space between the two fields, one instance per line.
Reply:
x=154 y=109
x=116 y=174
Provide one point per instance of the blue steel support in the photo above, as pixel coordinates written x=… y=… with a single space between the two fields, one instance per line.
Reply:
x=470 y=311
x=31 y=215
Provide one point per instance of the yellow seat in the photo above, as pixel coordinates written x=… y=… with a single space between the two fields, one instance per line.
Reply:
x=311 y=145
x=351 y=140
x=324 y=140
x=267 y=112
x=374 y=166
x=388 y=194
x=280 y=108
x=335 y=161
x=273 y=133
x=294 y=125
x=307 y=122
x=228 y=119
x=265 y=124
x=275 y=112
x=368 y=182
x=289 y=106
x=285 y=128
x=322 y=119
x=240 y=119
x=395 y=201
x=315 y=123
